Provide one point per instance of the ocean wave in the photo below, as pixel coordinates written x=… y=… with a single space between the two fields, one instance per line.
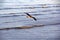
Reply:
x=32 y=6
x=11 y=16
x=27 y=27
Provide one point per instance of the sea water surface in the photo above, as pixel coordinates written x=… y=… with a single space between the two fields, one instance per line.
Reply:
x=16 y=17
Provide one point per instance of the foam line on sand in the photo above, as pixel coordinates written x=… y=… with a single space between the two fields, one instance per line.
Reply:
x=23 y=27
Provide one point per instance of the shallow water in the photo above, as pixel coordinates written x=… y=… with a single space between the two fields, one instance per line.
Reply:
x=50 y=17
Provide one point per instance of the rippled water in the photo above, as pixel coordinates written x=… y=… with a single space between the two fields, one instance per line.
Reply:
x=50 y=17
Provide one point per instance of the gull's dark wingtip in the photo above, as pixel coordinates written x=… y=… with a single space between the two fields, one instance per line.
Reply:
x=34 y=18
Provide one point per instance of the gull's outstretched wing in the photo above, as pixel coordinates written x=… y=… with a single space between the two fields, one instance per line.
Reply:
x=28 y=14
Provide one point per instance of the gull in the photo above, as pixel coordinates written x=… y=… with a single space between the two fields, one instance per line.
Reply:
x=30 y=16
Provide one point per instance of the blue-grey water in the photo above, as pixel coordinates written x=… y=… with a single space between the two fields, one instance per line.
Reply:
x=16 y=17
